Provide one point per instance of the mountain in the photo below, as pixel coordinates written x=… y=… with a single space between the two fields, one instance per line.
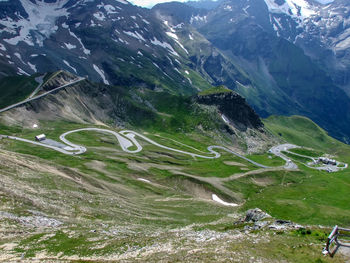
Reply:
x=109 y=41
x=320 y=30
x=130 y=141
x=204 y=4
x=183 y=49
x=283 y=78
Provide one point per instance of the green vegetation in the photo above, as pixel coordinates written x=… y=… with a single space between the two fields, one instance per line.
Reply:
x=298 y=158
x=267 y=159
x=307 y=152
x=308 y=196
x=15 y=89
x=215 y=90
x=304 y=132
x=107 y=210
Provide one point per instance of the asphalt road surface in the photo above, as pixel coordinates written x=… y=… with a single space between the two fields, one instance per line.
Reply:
x=127 y=139
x=277 y=150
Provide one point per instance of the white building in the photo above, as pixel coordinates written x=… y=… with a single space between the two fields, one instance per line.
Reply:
x=40 y=137
x=327 y=161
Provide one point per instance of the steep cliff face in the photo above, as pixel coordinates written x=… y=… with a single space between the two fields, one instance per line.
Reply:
x=234 y=107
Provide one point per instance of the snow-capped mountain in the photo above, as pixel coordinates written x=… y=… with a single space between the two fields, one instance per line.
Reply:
x=108 y=40
x=320 y=28
x=279 y=47
x=285 y=56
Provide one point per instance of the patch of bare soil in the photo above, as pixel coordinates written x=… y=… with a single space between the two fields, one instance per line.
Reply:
x=345 y=251
x=265 y=181
x=231 y=163
x=259 y=171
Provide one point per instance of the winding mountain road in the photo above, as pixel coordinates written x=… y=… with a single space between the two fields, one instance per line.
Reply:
x=277 y=150
x=127 y=139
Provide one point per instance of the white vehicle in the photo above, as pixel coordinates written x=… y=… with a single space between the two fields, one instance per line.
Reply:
x=40 y=137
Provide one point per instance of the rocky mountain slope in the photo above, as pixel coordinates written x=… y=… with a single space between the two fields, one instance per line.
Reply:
x=321 y=30
x=283 y=78
x=110 y=41
x=234 y=44
x=87 y=102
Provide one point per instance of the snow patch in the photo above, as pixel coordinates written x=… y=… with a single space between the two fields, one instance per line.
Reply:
x=123 y=2
x=165 y=45
x=198 y=18
x=101 y=73
x=2 y=47
x=110 y=9
x=228 y=8
x=19 y=57
x=156 y=65
x=144 y=20
x=22 y=72
x=66 y=62
x=215 y=198
x=172 y=35
x=144 y=180
x=70 y=46
x=99 y=16
x=176 y=39
x=225 y=119
x=33 y=67
x=86 y=51
x=297 y=8
x=134 y=35
x=41 y=18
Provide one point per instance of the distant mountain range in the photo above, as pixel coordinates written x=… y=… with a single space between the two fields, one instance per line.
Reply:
x=294 y=54
x=285 y=56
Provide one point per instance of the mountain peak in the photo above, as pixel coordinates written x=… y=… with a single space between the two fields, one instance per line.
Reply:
x=297 y=8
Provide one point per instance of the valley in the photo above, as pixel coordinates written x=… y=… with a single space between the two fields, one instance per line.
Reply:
x=182 y=132
x=154 y=180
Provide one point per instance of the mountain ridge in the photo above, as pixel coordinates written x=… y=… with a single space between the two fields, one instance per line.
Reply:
x=284 y=79
x=120 y=44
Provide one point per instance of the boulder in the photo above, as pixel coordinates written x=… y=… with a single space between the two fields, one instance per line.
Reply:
x=256 y=214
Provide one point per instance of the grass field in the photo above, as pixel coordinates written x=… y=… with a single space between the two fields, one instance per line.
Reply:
x=307 y=152
x=105 y=206
x=15 y=89
x=303 y=132
x=214 y=90
x=297 y=196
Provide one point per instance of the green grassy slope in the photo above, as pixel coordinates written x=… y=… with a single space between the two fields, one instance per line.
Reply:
x=107 y=210
x=213 y=90
x=307 y=196
x=304 y=132
x=98 y=192
x=16 y=88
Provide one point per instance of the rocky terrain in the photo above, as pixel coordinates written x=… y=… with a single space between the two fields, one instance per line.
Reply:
x=234 y=107
x=263 y=41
